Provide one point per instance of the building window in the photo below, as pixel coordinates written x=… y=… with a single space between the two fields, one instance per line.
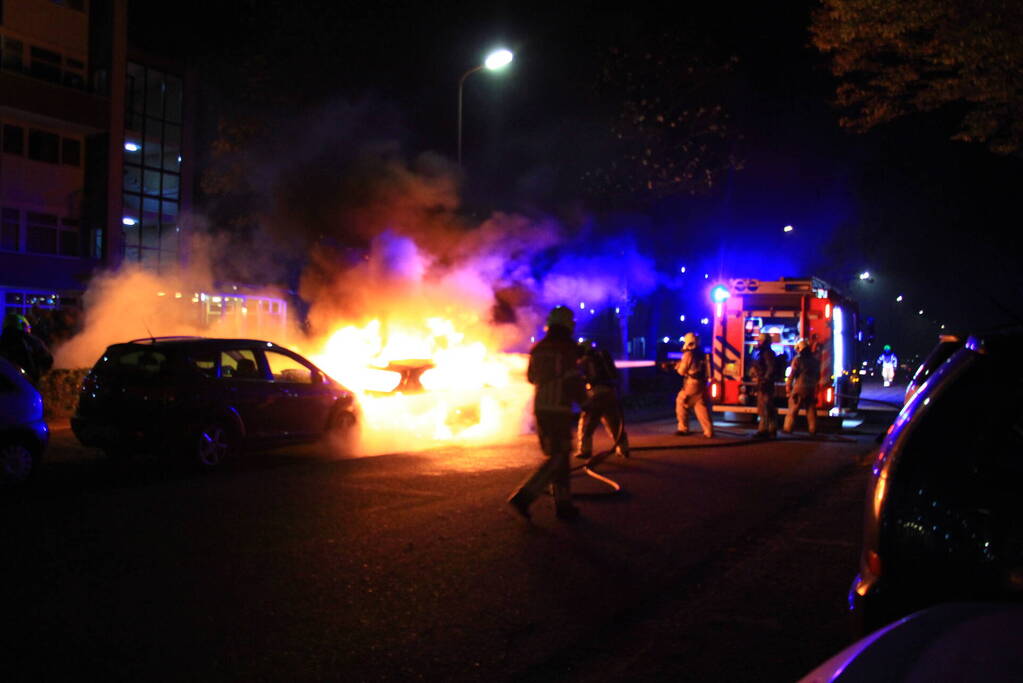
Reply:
x=11 y=52
x=41 y=233
x=14 y=139
x=70 y=231
x=43 y=146
x=152 y=179
x=45 y=64
x=10 y=230
x=71 y=152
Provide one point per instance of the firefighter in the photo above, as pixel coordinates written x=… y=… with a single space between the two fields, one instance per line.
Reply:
x=888 y=362
x=602 y=404
x=801 y=387
x=693 y=397
x=21 y=347
x=558 y=387
x=763 y=372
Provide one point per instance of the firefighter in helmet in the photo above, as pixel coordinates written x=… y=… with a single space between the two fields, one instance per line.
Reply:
x=763 y=373
x=24 y=349
x=801 y=387
x=558 y=389
x=693 y=397
x=602 y=404
x=888 y=362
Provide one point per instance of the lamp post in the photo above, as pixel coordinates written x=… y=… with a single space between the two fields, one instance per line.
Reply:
x=496 y=60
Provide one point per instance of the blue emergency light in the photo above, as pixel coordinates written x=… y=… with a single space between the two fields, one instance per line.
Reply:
x=719 y=294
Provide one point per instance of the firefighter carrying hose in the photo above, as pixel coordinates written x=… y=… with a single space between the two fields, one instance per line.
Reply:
x=693 y=398
x=558 y=388
x=801 y=387
x=602 y=404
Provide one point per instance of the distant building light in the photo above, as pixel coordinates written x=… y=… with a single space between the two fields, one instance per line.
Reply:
x=706 y=276
x=666 y=340
x=128 y=220
x=682 y=318
x=682 y=338
x=683 y=269
x=592 y=311
x=705 y=321
x=132 y=147
x=580 y=340
x=617 y=310
x=788 y=228
x=920 y=312
x=582 y=304
x=898 y=298
x=865 y=275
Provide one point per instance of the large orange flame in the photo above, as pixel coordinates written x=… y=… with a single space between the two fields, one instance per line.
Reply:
x=467 y=390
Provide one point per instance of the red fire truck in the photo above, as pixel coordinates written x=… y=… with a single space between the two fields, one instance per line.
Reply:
x=789 y=309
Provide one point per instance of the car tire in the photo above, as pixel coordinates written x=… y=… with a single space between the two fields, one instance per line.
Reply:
x=17 y=464
x=213 y=443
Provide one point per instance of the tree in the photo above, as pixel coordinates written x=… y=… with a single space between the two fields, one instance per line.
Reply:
x=671 y=133
x=896 y=57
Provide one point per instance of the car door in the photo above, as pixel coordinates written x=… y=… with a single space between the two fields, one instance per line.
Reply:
x=244 y=385
x=305 y=399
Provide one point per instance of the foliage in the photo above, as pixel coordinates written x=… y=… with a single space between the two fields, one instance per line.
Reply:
x=60 y=388
x=671 y=133
x=896 y=57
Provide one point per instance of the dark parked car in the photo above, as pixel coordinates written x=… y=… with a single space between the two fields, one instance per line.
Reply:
x=944 y=517
x=969 y=641
x=23 y=431
x=206 y=398
x=947 y=345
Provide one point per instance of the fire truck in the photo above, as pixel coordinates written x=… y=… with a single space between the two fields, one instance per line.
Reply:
x=789 y=309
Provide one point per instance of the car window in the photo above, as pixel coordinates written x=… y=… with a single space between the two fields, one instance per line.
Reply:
x=205 y=362
x=137 y=364
x=239 y=364
x=287 y=369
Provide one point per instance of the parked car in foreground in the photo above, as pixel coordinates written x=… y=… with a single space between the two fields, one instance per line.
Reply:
x=205 y=399
x=950 y=642
x=947 y=345
x=944 y=514
x=23 y=431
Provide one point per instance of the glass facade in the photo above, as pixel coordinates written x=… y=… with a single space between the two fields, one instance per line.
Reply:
x=152 y=167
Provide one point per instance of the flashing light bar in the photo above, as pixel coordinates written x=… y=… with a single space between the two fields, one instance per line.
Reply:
x=830 y=396
x=714 y=390
x=827 y=311
x=839 y=346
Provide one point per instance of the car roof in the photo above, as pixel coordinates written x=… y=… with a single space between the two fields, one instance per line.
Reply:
x=186 y=342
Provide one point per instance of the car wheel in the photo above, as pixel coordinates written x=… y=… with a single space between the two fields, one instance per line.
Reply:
x=17 y=462
x=213 y=444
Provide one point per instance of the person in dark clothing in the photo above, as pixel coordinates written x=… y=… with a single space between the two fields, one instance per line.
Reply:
x=764 y=372
x=801 y=387
x=21 y=347
x=602 y=404
x=558 y=389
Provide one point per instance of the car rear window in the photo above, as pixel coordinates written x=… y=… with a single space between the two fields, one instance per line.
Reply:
x=133 y=363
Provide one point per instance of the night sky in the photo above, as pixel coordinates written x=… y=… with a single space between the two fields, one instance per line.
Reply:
x=930 y=218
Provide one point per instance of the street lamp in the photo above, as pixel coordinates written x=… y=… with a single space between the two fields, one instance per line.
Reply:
x=495 y=61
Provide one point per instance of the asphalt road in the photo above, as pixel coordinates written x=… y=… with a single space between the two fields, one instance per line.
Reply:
x=722 y=560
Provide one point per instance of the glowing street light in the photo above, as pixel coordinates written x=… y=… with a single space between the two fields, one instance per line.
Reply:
x=865 y=275
x=787 y=228
x=898 y=299
x=495 y=61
